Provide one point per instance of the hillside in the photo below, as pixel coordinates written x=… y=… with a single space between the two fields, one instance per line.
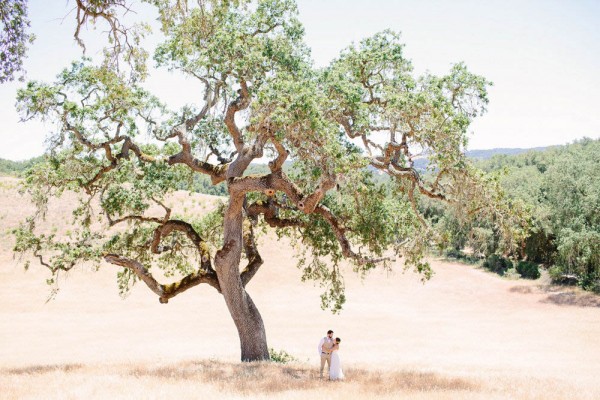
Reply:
x=465 y=334
x=489 y=153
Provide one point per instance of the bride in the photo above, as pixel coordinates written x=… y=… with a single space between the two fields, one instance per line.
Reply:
x=335 y=369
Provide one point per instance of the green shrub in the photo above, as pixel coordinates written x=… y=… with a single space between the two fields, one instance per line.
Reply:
x=590 y=282
x=511 y=273
x=528 y=270
x=281 y=356
x=555 y=273
x=558 y=276
x=497 y=264
x=453 y=253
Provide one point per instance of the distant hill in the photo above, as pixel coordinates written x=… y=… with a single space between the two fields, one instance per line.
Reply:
x=478 y=155
x=489 y=153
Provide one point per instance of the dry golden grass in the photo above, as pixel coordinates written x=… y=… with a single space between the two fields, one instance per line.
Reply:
x=213 y=379
x=466 y=334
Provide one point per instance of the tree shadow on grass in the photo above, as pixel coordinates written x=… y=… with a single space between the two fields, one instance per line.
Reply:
x=573 y=299
x=255 y=378
x=560 y=295
x=263 y=378
x=522 y=289
x=43 y=369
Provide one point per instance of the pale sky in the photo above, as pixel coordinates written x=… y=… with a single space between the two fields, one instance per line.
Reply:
x=542 y=55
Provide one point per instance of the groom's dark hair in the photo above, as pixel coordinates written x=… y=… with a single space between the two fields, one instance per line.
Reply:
x=329 y=331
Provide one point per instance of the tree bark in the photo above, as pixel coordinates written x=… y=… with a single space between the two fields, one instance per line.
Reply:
x=247 y=319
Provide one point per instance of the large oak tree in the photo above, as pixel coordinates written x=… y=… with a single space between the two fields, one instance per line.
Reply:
x=339 y=127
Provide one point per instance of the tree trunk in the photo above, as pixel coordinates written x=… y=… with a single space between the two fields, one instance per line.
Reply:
x=251 y=330
x=247 y=319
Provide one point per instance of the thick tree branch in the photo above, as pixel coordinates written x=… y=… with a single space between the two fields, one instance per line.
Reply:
x=282 y=154
x=411 y=174
x=270 y=210
x=112 y=222
x=278 y=181
x=254 y=259
x=129 y=145
x=165 y=292
x=222 y=159
x=167 y=226
x=246 y=156
x=241 y=103
x=184 y=227
x=105 y=169
x=217 y=173
x=308 y=204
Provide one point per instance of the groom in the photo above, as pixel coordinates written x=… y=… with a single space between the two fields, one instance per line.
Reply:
x=324 y=349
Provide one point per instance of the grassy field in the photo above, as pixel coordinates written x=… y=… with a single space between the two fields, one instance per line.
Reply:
x=213 y=379
x=466 y=334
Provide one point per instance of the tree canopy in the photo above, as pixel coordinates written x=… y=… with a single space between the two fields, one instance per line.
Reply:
x=366 y=113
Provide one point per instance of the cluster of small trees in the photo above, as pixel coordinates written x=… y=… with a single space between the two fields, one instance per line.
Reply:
x=560 y=188
x=17 y=168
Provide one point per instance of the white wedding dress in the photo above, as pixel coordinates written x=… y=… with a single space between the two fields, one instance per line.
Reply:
x=335 y=369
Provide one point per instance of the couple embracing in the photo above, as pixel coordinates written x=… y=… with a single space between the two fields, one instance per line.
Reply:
x=328 y=351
